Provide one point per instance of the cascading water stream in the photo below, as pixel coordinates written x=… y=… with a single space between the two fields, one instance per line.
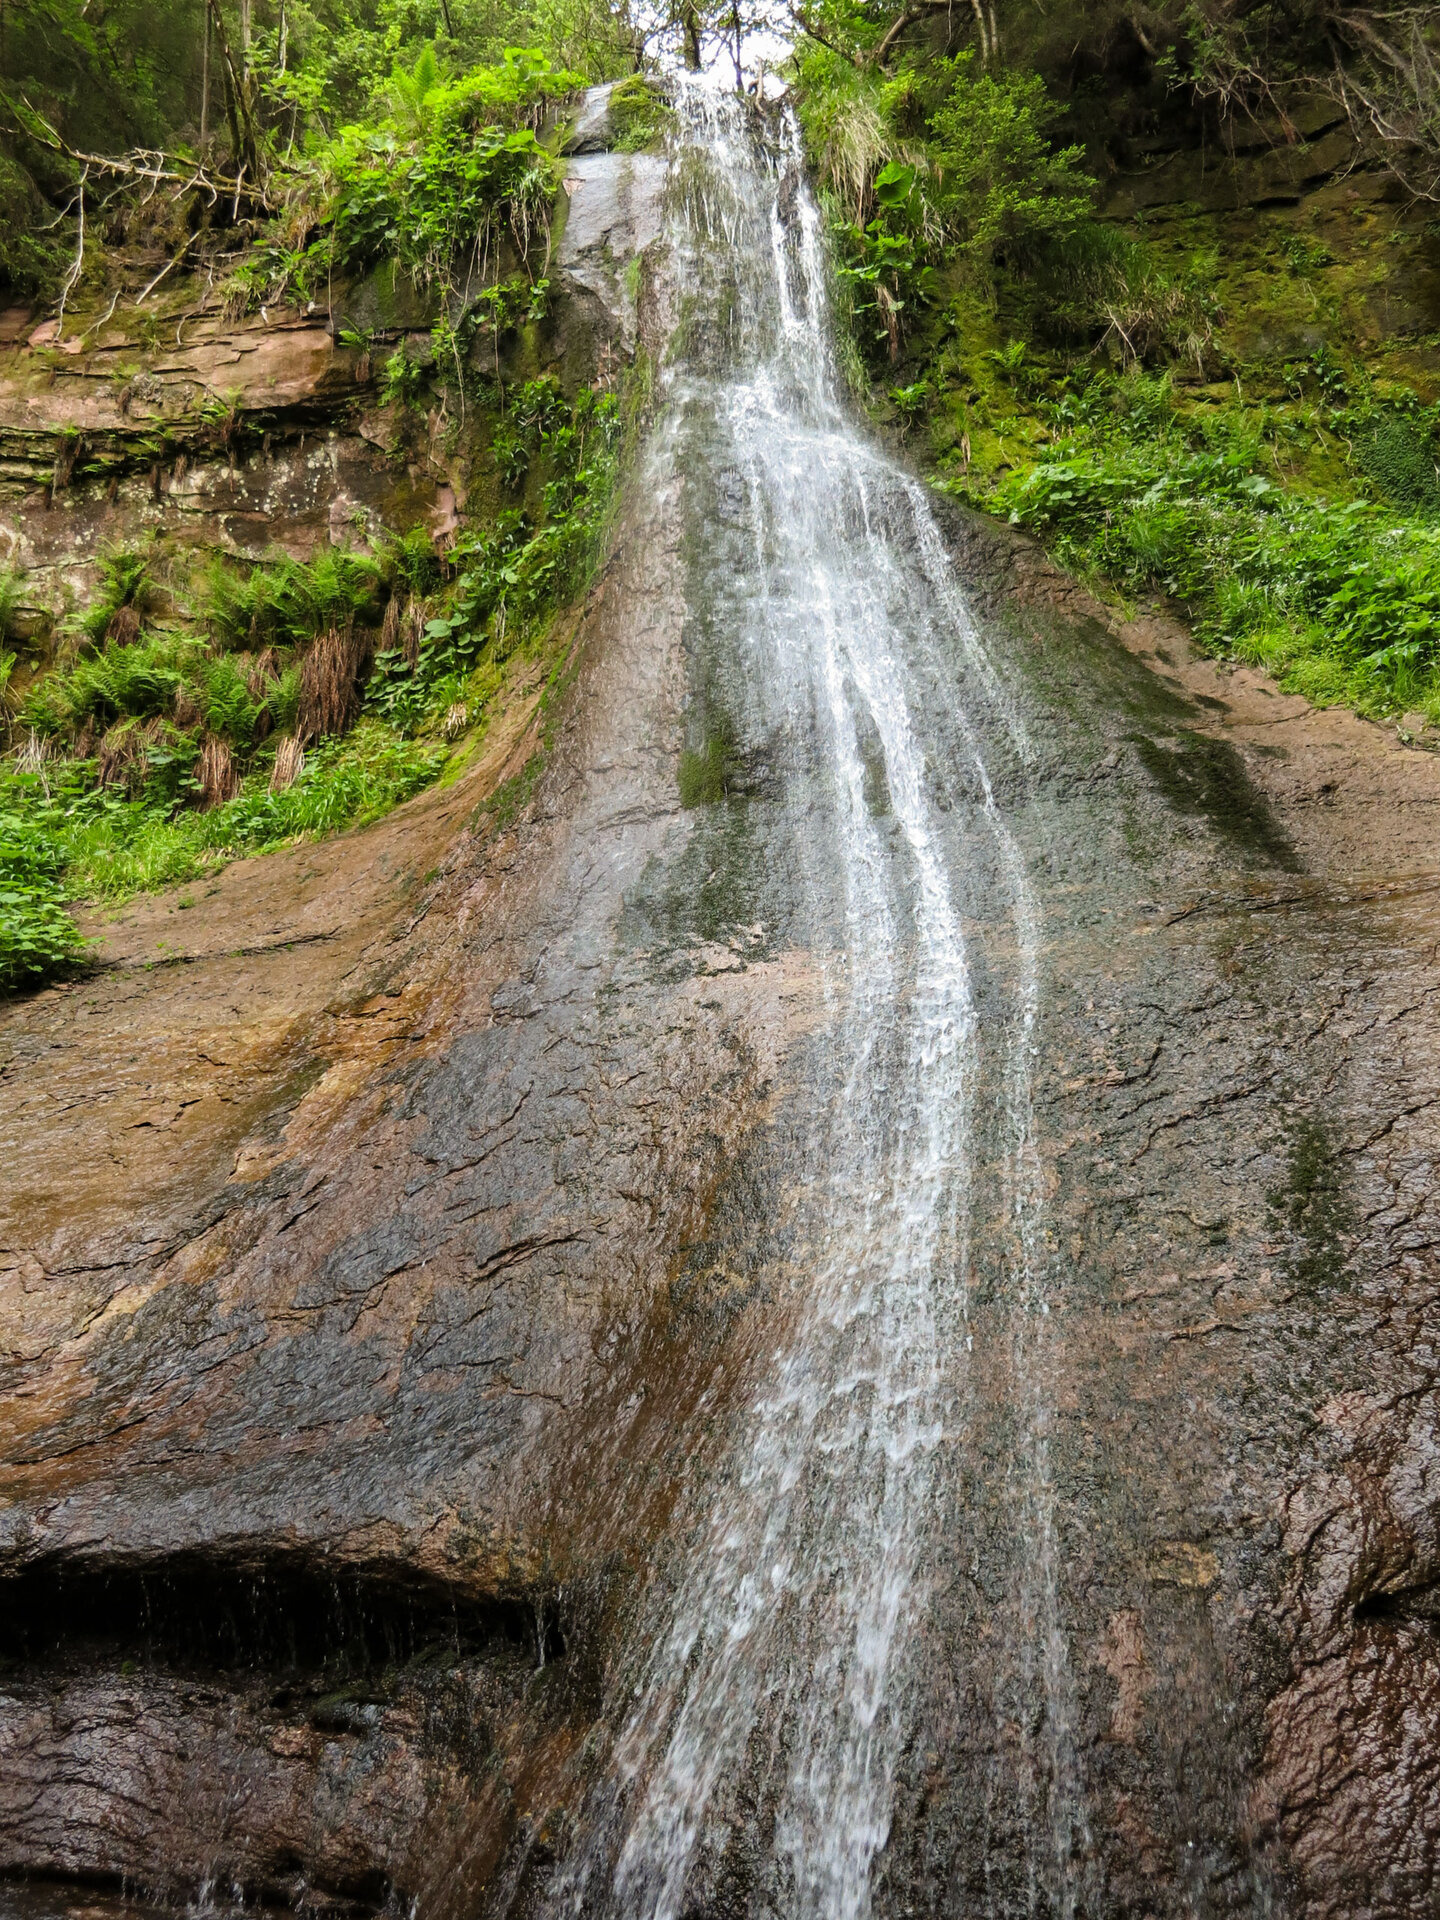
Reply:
x=831 y=593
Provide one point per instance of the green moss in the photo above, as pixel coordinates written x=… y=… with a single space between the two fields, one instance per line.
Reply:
x=1234 y=407
x=639 y=114
x=1309 y=1208
x=703 y=772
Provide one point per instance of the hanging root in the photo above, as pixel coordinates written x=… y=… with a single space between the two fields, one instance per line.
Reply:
x=390 y=625
x=77 y=265
x=414 y=632
x=123 y=627
x=69 y=450
x=329 y=696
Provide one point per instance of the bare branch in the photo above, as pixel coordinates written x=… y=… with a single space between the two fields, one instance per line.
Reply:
x=812 y=32
x=144 y=163
x=77 y=266
x=917 y=11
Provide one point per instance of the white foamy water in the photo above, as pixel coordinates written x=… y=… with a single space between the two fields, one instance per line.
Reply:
x=792 y=1621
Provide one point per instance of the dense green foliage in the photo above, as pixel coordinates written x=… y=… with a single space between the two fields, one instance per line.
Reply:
x=1082 y=375
x=941 y=177
x=101 y=843
x=37 y=935
x=126 y=75
x=1341 y=602
x=288 y=699
x=183 y=718
x=357 y=130
x=434 y=183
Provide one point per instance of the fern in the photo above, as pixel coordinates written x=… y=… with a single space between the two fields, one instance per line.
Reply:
x=1401 y=460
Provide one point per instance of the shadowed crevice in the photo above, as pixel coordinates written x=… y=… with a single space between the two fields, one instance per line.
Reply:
x=284 y=1613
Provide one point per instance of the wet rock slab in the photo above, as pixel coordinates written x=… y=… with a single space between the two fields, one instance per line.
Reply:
x=615 y=216
x=353 y=1402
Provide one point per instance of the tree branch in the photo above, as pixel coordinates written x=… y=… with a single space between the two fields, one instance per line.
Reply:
x=917 y=11
x=146 y=164
x=812 y=32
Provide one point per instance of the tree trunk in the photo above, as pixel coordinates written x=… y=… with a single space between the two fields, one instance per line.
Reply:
x=690 y=27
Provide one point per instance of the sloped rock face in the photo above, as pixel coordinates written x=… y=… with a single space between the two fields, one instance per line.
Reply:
x=400 y=1275
x=392 y=1238
x=340 y=1444
x=164 y=1726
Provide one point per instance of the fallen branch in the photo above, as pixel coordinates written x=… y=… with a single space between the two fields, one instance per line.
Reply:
x=144 y=163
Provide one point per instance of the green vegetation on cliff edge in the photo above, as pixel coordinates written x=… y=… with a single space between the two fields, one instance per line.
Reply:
x=283 y=700
x=1197 y=352
x=1161 y=282
x=187 y=713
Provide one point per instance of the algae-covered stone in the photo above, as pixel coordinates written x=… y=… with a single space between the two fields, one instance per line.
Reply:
x=615 y=215
x=387 y=300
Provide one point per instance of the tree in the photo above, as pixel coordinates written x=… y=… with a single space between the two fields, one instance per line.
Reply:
x=1000 y=182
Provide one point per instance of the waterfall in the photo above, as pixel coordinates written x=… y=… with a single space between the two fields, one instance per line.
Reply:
x=830 y=594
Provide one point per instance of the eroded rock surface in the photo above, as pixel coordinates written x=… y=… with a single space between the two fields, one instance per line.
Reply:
x=166 y=416
x=362 y=1406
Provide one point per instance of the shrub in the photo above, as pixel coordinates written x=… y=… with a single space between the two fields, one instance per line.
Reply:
x=37 y=935
x=455 y=164
x=1340 y=600
x=126 y=594
x=122 y=682
x=1400 y=458
x=842 y=109
x=1001 y=184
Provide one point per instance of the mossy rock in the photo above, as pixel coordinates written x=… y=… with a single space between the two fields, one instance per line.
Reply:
x=640 y=115
x=388 y=301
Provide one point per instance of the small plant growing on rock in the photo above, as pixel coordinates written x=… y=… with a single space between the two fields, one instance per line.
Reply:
x=640 y=115
x=127 y=593
x=401 y=379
